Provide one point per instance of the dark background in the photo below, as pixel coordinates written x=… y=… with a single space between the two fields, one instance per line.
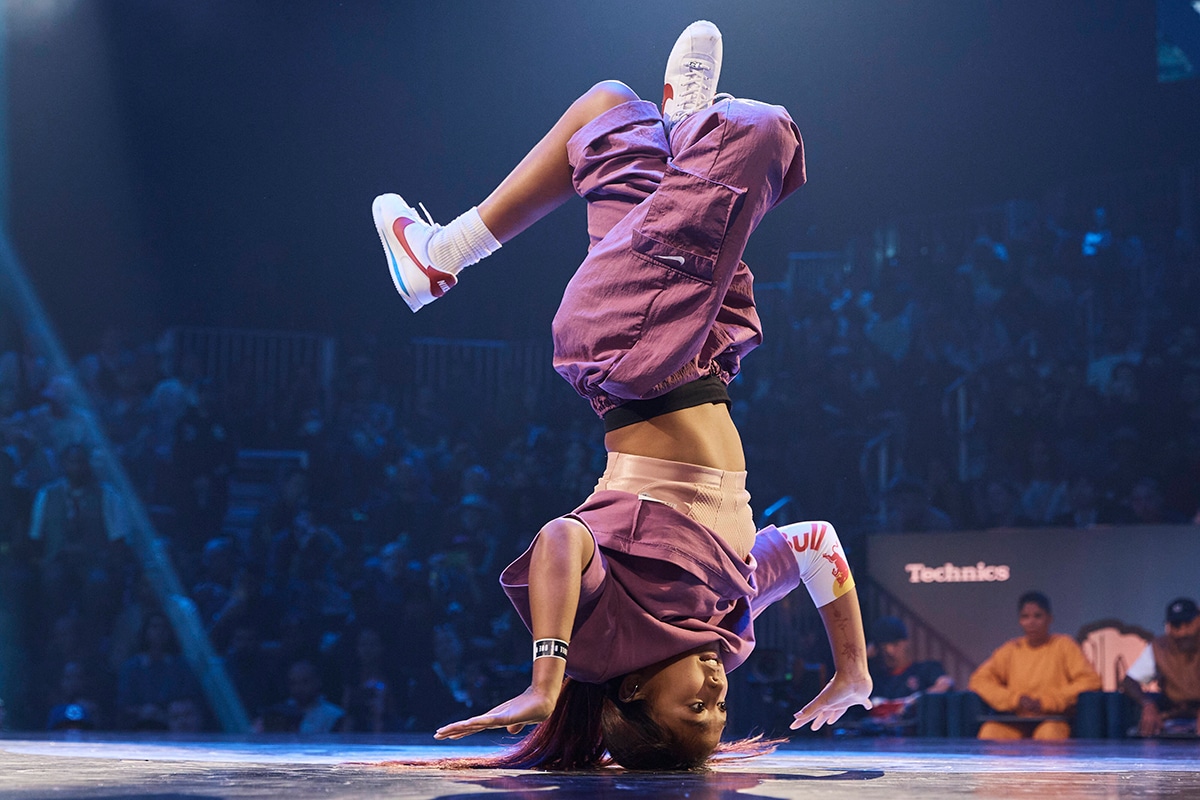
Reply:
x=214 y=163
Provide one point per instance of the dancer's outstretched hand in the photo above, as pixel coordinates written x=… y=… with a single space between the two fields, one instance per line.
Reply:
x=528 y=708
x=838 y=695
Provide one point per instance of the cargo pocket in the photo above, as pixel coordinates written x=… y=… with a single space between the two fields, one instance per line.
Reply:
x=685 y=224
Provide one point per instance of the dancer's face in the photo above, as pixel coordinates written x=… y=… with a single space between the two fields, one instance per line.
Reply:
x=687 y=695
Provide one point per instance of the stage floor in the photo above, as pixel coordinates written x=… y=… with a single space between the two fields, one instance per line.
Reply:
x=295 y=769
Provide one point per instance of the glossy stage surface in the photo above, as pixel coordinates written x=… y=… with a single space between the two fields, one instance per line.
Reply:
x=296 y=769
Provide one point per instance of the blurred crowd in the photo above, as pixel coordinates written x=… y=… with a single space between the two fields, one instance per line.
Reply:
x=1039 y=370
x=1045 y=373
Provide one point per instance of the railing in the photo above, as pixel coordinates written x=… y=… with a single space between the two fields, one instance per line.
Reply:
x=926 y=642
x=489 y=369
x=268 y=362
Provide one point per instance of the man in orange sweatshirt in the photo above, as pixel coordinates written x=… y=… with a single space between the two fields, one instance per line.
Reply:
x=1036 y=675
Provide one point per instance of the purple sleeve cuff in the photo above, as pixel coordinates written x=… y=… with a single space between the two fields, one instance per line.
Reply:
x=776 y=572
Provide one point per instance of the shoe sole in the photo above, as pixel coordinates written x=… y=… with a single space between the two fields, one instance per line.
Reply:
x=401 y=262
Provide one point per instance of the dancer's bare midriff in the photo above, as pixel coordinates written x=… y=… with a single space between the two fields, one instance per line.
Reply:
x=703 y=435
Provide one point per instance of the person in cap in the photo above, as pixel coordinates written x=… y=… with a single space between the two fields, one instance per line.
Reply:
x=899 y=680
x=1173 y=660
x=896 y=675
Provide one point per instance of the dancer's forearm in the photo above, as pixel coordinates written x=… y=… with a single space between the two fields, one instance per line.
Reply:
x=843 y=626
x=560 y=554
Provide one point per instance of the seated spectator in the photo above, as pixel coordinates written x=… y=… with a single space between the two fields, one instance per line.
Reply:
x=1044 y=495
x=901 y=684
x=899 y=680
x=185 y=715
x=77 y=520
x=61 y=421
x=62 y=641
x=275 y=519
x=369 y=694
x=75 y=706
x=1037 y=675
x=311 y=582
x=204 y=456
x=999 y=506
x=1173 y=660
x=1146 y=505
x=443 y=689
x=910 y=510
x=388 y=579
x=152 y=678
x=14 y=503
x=306 y=710
x=1088 y=508
x=248 y=666
x=212 y=593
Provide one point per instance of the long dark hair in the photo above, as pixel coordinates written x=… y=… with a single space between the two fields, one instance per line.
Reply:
x=591 y=727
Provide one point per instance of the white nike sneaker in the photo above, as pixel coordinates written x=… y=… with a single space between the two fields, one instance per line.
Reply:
x=693 y=69
x=405 y=241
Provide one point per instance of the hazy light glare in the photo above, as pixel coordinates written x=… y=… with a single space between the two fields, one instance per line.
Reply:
x=31 y=16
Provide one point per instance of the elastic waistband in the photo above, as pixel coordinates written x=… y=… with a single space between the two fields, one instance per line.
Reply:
x=626 y=466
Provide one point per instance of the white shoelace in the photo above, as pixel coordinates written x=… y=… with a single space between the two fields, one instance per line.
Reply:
x=694 y=89
x=428 y=216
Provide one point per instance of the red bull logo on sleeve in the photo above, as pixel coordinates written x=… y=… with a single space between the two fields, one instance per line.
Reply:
x=814 y=537
x=842 y=581
x=951 y=573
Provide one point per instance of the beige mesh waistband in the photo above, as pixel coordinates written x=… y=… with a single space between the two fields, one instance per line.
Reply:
x=715 y=498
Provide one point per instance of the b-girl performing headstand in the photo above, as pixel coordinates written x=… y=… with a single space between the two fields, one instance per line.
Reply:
x=645 y=595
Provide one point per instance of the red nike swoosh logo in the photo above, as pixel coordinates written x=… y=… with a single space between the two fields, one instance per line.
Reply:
x=439 y=281
x=668 y=93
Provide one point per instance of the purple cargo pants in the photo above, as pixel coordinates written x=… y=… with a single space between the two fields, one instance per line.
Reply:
x=663 y=297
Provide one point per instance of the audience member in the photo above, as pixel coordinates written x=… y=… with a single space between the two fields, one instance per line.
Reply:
x=896 y=675
x=1087 y=508
x=1036 y=676
x=151 y=679
x=306 y=710
x=1044 y=493
x=1173 y=660
x=901 y=684
x=249 y=667
x=75 y=704
x=442 y=688
x=203 y=457
x=369 y=693
x=185 y=715
x=1145 y=503
x=77 y=521
x=909 y=508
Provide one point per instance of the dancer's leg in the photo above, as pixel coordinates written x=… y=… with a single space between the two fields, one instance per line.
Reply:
x=424 y=258
x=672 y=264
x=542 y=182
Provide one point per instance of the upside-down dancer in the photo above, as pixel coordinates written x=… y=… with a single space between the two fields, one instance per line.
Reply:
x=653 y=583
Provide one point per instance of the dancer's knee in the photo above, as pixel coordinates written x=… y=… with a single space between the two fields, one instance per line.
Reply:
x=769 y=125
x=605 y=95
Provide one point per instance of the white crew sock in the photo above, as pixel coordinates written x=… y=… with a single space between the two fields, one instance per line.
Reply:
x=461 y=243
